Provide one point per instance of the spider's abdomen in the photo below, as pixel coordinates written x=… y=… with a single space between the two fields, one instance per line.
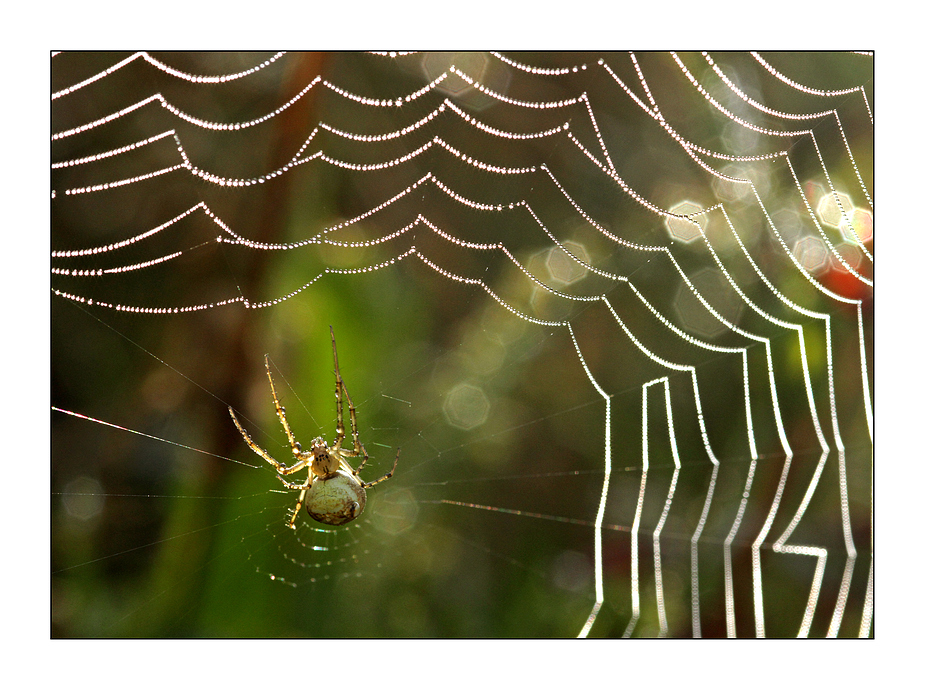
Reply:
x=336 y=500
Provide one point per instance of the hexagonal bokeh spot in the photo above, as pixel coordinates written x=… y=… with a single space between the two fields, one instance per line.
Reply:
x=718 y=293
x=861 y=228
x=83 y=498
x=396 y=511
x=474 y=65
x=829 y=211
x=850 y=253
x=790 y=225
x=727 y=189
x=563 y=269
x=812 y=253
x=466 y=406
x=681 y=228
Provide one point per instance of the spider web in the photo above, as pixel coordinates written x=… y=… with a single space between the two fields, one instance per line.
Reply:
x=615 y=309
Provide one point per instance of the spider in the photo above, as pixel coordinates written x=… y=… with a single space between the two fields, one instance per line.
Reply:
x=333 y=492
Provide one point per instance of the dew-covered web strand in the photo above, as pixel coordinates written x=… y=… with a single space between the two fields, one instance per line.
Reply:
x=156 y=438
x=154 y=62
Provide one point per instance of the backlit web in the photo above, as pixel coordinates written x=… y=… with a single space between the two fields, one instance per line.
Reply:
x=616 y=310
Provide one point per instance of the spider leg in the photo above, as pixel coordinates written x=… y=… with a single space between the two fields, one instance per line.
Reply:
x=281 y=413
x=253 y=446
x=280 y=467
x=359 y=449
x=341 y=392
x=366 y=485
x=298 y=506
x=338 y=387
x=307 y=484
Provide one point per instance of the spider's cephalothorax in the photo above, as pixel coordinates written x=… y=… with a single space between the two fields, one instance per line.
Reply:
x=323 y=461
x=333 y=492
